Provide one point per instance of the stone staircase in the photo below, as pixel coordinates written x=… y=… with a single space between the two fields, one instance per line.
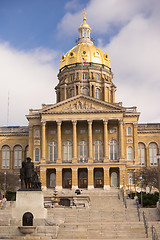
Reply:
x=106 y=218
x=153 y=219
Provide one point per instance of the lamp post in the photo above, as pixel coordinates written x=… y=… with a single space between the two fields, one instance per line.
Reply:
x=135 y=182
x=141 y=180
x=158 y=160
x=5 y=184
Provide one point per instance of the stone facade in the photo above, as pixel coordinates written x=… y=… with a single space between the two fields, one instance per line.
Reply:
x=86 y=139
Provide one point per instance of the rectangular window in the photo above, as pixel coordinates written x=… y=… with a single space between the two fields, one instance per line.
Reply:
x=37 y=133
x=97 y=130
x=84 y=76
x=36 y=154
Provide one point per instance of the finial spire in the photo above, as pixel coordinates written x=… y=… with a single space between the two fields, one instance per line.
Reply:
x=84 y=16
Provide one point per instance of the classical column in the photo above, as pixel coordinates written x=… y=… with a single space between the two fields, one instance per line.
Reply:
x=106 y=155
x=106 y=178
x=147 y=157
x=58 y=178
x=11 y=164
x=90 y=90
x=90 y=144
x=135 y=141
x=74 y=178
x=65 y=92
x=94 y=91
x=43 y=142
x=123 y=178
x=30 y=142
x=74 y=141
x=59 y=141
x=75 y=90
x=121 y=139
x=43 y=178
x=90 y=178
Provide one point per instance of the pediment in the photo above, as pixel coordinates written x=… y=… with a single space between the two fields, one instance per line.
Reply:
x=80 y=104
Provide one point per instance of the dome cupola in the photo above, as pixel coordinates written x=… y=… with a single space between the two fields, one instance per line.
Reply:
x=85 y=69
x=84 y=31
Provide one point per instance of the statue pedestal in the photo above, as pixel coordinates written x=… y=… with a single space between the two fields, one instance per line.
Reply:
x=29 y=201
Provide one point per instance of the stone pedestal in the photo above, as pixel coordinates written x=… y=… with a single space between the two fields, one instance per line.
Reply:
x=29 y=201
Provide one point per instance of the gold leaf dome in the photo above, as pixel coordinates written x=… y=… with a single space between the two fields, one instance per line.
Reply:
x=90 y=53
x=85 y=50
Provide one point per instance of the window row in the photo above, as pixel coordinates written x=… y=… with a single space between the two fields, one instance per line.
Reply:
x=18 y=156
x=84 y=77
x=85 y=91
x=82 y=151
x=152 y=153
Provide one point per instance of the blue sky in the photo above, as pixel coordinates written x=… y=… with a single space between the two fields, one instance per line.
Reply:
x=35 y=33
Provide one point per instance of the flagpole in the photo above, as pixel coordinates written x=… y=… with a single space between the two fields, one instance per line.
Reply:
x=8 y=110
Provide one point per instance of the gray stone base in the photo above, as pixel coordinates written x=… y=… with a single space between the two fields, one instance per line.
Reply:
x=29 y=201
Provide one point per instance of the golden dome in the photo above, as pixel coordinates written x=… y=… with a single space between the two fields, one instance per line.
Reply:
x=85 y=50
x=88 y=52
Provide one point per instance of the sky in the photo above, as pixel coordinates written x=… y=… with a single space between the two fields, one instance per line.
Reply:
x=35 y=33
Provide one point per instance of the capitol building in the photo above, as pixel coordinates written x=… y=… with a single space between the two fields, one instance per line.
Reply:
x=85 y=140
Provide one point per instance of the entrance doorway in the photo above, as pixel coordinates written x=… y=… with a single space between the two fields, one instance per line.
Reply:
x=114 y=177
x=82 y=178
x=51 y=178
x=98 y=178
x=67 y=178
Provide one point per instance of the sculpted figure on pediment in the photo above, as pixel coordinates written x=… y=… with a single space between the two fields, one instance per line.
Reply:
x=79 y=105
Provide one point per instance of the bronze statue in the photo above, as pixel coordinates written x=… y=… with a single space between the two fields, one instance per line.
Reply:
x=29 y=177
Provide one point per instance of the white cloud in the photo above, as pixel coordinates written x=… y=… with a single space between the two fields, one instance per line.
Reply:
x=134 y=48
x=103 y=15
x=29 y=77
x=135 y=63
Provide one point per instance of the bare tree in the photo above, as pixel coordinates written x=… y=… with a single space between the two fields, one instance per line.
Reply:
x=148 y=176
x=9 y=181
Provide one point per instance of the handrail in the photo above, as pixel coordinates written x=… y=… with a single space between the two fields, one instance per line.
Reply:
x=118 y=196
x=138 y=211
x=145 y=224
x=124 y=198
x=154 y=233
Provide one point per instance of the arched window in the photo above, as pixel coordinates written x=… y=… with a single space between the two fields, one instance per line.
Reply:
x=113 y=150
x=129 y=153
x=129 y=131
x=98 y=152
x=17 y=157
x=67 y=150
x=153 y=154
x=36 y=155
x=85 y=91
x=72 y=92
x=83 y=151
x=5 y=157
x=97 y=93
x=141 y=153
x=52 y=151
x=97 y=77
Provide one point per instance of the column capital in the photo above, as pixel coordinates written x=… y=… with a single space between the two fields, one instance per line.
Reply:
x=89 y=121
x=105 y=121
x=74 y=122
x=75 y=168
x=43 y=123
x=59 y=122
x=120 y=121
x=135 y=125
x=90 y=168
x=106 y=168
